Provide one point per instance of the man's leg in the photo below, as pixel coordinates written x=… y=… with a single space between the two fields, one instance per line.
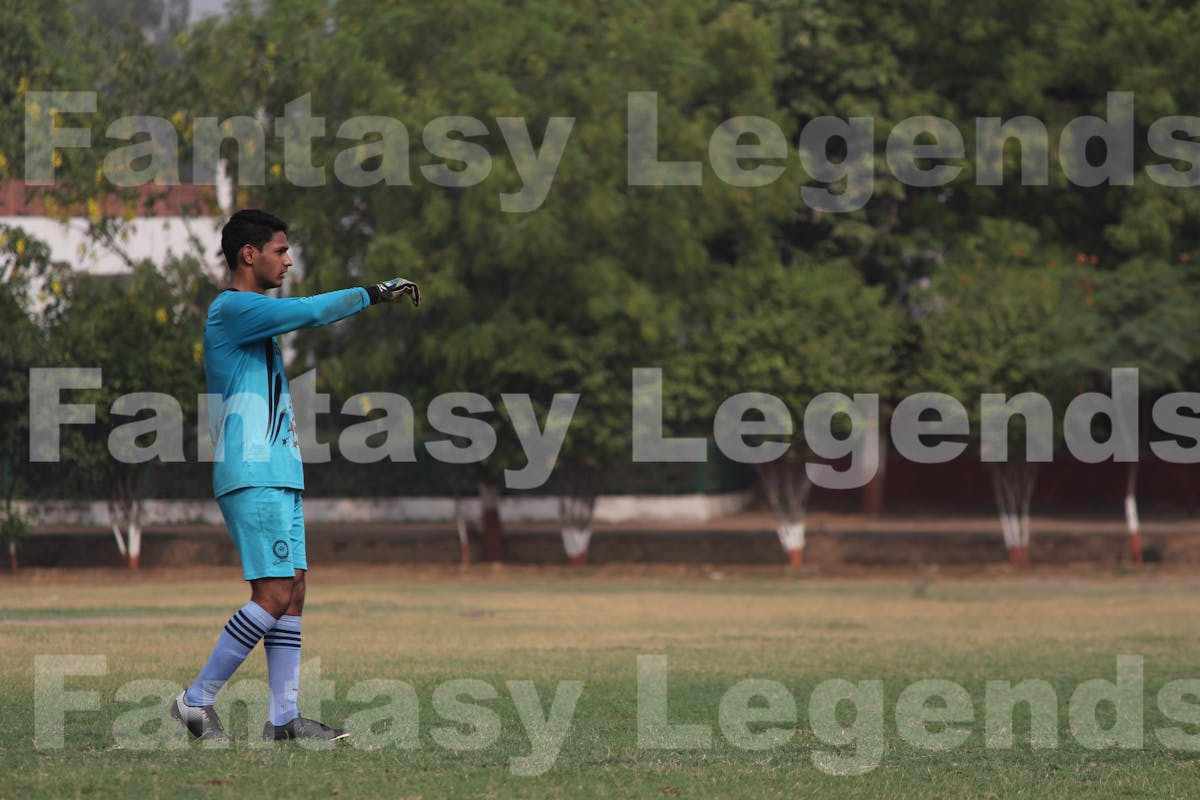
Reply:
x=255 y=526
x=269 y=600
x=282 y=644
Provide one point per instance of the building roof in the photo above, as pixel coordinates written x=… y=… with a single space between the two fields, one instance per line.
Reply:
x=183 y=200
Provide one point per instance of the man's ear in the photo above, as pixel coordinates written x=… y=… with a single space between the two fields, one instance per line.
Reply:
x=244 y=258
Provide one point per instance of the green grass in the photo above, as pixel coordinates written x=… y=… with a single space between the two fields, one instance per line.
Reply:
x=427 y=627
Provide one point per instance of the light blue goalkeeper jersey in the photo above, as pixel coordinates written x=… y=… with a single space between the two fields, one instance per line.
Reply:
x=253 y=427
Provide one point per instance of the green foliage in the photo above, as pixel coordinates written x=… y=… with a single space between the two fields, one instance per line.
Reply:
x=1006 y=288
x=21 y=347
x=565 y=299
x=37 y=45
x=606 y=276
x=1148 y=313
x=14 y=527
x=791 y=331
x=1006 y=316
x=144 y=330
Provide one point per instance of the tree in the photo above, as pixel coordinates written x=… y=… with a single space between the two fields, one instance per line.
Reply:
x=19 y=350
x=144 y=331
x=595 y=363
x=796 y=332
x=1051 y=62
x=25 y=272
x=505 y=288
x=38 y=44
x=1008 y=317
x=1147 y=312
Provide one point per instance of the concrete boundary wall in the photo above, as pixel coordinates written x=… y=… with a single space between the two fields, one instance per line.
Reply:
x=381 y=543
x=609 y=508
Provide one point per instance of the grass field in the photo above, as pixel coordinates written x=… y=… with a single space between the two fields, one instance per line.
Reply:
x=426 y=628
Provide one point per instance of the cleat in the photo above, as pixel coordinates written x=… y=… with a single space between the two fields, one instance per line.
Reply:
x=201 y=722
x=301 y=728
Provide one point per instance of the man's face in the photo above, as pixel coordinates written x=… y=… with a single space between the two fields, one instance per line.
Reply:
x=271 y=262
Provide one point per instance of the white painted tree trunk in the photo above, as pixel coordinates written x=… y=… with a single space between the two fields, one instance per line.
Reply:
x=135 y=534
x=1008 y=527
x=127 y=514
x=1013 y=484
x=791 y=535
x=786 y=486
x=114 y=518
x=576 y=540
x=1131 y=513
x=575 y=513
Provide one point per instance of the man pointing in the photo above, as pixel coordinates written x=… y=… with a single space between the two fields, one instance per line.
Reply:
x=258 y=477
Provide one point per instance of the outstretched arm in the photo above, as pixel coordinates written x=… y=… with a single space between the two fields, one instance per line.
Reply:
x=250 y=317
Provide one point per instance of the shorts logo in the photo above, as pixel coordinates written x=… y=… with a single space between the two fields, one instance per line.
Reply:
x=280 y=548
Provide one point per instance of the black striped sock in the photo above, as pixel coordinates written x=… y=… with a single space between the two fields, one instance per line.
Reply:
x=282 y=644
x=245 y=630
x=241 y=634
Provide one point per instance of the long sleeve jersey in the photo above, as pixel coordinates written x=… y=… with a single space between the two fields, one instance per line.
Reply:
x=253 y=427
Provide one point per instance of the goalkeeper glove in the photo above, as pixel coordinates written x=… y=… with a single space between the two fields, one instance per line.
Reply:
x=391 y=291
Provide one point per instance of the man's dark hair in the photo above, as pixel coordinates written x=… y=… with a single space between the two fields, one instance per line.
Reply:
x=248 y=226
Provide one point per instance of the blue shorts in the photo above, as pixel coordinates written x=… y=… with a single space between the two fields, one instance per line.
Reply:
x=267 y=526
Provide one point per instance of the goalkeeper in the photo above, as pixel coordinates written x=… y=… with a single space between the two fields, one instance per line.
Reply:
x=258 y=477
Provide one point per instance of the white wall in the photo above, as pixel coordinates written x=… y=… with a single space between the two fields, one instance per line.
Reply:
x=609 y=508
x=153 y=238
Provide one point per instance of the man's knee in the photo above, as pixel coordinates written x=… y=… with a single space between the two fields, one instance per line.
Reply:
x=273 y=594
x=296 y=603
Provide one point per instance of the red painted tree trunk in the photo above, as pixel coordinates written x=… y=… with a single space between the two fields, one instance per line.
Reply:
x=795 y=557
x=1019 y=557
x=1135 y=548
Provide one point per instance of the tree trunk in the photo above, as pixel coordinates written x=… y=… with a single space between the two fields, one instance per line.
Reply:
x=786 y=486
x=575 y=543
x=12 y=556
x=114 y=521
x=493 y=531
x=791 y=536
x=464 y=533
x=1013 y=484
x=1131 y=513
x=576 y=509
x=135 y=534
